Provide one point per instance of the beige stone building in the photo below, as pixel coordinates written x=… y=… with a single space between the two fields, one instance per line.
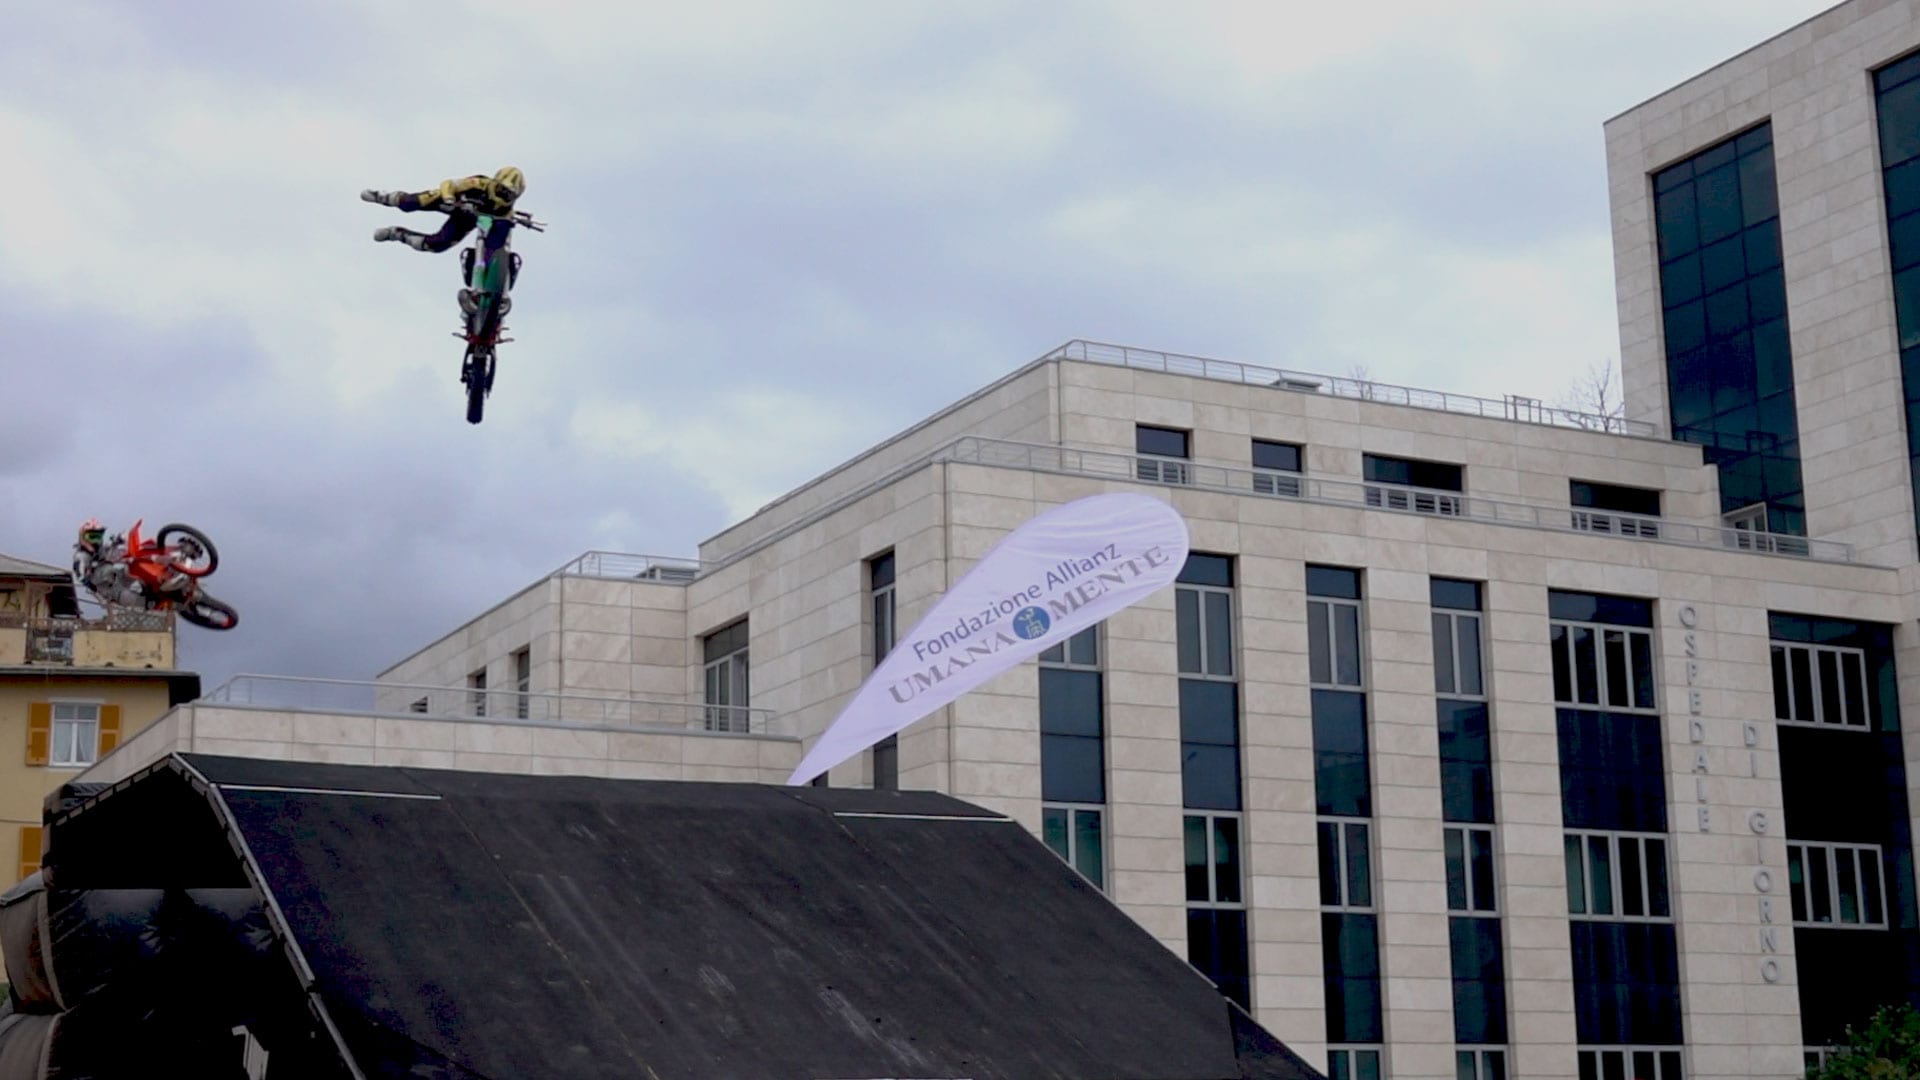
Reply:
x=1479 y=739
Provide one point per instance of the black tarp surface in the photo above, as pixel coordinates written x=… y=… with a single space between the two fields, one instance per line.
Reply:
x=477 y=925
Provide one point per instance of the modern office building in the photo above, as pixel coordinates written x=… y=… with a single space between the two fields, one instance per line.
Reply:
x=1478 y=739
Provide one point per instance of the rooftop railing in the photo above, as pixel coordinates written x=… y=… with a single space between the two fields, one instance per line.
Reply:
x=1513 y=407
x=616 y=564
x=1388 y=497
x=409 y=700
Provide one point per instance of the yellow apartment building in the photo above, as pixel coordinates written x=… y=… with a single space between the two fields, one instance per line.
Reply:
x=71 y=688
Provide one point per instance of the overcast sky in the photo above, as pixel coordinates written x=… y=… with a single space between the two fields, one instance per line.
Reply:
x=780 y=233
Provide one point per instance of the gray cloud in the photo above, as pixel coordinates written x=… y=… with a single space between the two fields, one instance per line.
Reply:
x=815 y=223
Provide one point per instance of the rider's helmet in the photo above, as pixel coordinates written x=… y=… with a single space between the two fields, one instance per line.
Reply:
x=92 y=534
x=507 y=184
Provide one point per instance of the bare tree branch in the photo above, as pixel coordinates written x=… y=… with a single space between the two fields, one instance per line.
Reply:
x=1596 y=393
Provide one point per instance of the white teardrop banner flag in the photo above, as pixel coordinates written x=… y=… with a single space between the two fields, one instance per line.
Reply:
x=1054 y=576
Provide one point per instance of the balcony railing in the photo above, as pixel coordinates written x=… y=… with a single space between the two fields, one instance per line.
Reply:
x=1513 y=407
x=345 y=696
x=1386 y=497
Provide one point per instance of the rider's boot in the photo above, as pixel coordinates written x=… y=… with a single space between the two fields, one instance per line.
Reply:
x=414 y=240
x=469 y=302
x=384 y=198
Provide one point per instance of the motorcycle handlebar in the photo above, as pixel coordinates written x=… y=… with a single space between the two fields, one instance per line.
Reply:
x=521 y=217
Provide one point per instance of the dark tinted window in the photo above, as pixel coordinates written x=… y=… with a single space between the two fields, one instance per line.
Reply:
x=1340 y=761
x=1615 y=497
x=1217 y=945
x=1333 y=581
x=1466 y=761
x=1072 y=766
x=1612 y=774
x=1283 y=457
x=1350 y=952
x=1479 y=982
x=1159 y=441
x=728 y=639
x=1626 y=983
x=1422 y=474
x=1209 y=743
x=1448 y=593
x=1207 y=570
x=1599 y=608
x=1723 y=301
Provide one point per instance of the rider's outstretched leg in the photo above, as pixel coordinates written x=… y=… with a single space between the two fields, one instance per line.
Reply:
x=414 y=240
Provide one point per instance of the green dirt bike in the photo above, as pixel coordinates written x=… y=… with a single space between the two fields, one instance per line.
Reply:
x=489 y=267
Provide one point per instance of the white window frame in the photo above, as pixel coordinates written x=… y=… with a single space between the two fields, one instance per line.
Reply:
x=1343 y=858
x=733 y=670
x=1202 y=592
x=1351 y=1052
x=1783 y=711
x=1817 y=1057
x=1213 y=878
x=1466 y=866
x=1481 y=1065
x=1600 y=667
x=81 y=727
x=1750 y=519
x=1625 y=1053
x=1381 y=494
x=1453 y=617
x=1830 y=854
x=477 y=692
x=1061 y=656
x=1617 y=842
x=1334 y=654
x=1284 y=483
x=1071 y=858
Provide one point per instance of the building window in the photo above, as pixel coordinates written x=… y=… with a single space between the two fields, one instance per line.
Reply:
x=76 y=734
x=1724 y=311
x=1818 y=1057
x=1617 y=876
x=1075 y=833
x=1353 y=1063
x=1609 y=667
x=1346 y=865
x=886 y=752
x=725 y=651
x=1424 y=481
x=1626 y=509
x=1203 y=614
x=1469 y=852
x=477 y=693
x=1836 y=885
x=1820 y=685
x=419 y=705
x=1277 y=467
x=522 y=681
x=1164 y=454
x=1897 y=102
x=1216 y=909
x=1073 y=753
x=1456 y=654
x=1630 y=1063
x=1210 y=773
x=1480 y=1062
x=1333 y=628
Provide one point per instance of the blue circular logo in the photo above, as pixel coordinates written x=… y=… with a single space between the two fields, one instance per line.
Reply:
x=1031 y=622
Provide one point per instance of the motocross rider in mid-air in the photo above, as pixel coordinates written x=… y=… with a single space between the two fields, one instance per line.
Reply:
x=462 y=201
x=100 y=564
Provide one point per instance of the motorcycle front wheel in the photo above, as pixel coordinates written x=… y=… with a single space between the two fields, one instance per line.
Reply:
x=204 y=610
x=197 y=556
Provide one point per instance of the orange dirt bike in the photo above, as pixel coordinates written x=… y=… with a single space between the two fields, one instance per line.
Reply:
x=162 y=573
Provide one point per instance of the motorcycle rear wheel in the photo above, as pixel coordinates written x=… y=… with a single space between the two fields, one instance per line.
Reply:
x=204 y=610
x=201 y=556
x=478 y=375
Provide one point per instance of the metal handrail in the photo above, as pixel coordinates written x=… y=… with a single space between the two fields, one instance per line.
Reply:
x=619 y=564
x=360 y=697
x=1513 y=407
x=1388 y=497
